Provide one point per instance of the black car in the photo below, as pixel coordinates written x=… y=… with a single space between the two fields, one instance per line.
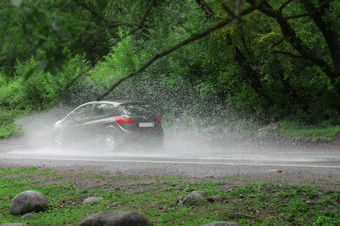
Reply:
x=111 y=124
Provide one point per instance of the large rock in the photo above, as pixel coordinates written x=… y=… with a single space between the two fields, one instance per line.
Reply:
x=222 y=223
x=92 y=200
x=116 y=218
x=265 y=131
x=192 y=199
x=271 y=127
x=28 y=201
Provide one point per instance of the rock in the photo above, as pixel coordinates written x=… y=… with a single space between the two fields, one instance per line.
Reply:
x=117 y=218
x=180 y=203
x=92 y=199
x=222 y=223
x=271 y=127
x=276 y=171
x=210 y=129
x=28 y=201
x=13 y=224
x=265 y=131
x=213 y=198
x=228 y=129
x=193 y=198
x=29 y=216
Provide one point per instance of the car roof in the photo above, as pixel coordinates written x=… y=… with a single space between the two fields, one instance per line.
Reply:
x=115 y=102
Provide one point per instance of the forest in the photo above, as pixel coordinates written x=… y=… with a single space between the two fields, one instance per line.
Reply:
x=217 y=60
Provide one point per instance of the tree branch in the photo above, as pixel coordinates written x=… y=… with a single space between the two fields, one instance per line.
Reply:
x=278 y=43
x=291 y=36
x=91 y=10
x=112 y=25
x=311 y=10
x=227 y=9
x=118 y=23
x=146 y=13
x=174 y=48
x=297 y=16
x=289 y=54
x=206 y=9
x=237 y=8
x=284 y=5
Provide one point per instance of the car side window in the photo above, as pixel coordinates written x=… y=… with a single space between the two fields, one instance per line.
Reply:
x=82 y=113
x=135 y=109
x=103 y=109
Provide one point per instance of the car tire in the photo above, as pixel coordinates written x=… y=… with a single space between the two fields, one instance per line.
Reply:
x=154 y=143
x=58 y=140
x=110 y=141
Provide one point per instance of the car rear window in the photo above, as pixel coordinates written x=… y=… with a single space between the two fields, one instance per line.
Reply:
x=136 y=109
x=103 y=109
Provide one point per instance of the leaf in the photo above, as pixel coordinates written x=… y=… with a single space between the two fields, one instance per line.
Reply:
x=29 y=74
x=101 y=4
x=42 y=65
x=16 y=3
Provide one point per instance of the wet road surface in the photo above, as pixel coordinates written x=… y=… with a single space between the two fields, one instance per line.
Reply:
x=250 y=161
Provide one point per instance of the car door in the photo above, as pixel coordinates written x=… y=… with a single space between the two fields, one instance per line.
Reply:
x=76 y=123
x=103 y=116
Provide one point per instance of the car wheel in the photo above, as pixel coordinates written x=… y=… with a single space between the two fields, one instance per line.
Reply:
x=110 y=142
x=154 y=143
x=58 y=140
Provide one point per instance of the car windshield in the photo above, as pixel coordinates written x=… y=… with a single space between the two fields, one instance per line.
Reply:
x=136 y=109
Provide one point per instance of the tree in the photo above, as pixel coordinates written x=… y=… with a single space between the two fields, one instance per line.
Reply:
x=241 y=54
x=321 y=13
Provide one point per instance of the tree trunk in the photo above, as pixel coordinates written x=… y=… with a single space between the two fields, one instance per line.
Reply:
x=288 y=87
x=252 y=76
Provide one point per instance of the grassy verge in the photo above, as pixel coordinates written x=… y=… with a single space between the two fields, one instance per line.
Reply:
x=244 y=201
x=312 y=133
x=7 y=122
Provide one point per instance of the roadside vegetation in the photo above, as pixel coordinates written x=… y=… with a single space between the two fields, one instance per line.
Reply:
x=247 y=202
x=278 y=63
x=310 y=133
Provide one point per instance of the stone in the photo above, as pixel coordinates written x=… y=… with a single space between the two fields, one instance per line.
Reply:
x=29 y=216
x=265 y=131
x=193 y=198
x=228 y=129
x=270 y=127
x=213 y=198
x=116 y=218
x=12 y=224
x=92 y=199
x=28 y=201
x=222 y=223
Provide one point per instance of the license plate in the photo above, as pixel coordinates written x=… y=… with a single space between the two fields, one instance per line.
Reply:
x=146 y=124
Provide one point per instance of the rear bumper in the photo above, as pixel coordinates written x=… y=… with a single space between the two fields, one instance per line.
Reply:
x=150 y=137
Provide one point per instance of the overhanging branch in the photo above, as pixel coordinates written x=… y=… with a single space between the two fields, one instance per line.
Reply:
x=111 y=25
x=174 y=48
x=289 y=54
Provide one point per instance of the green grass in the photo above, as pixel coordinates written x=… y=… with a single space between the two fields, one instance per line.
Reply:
x=313 y=133
x=7 y=122
x=253 y=203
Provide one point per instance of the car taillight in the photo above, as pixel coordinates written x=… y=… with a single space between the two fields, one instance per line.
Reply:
x=123 y=120
x=158 y=118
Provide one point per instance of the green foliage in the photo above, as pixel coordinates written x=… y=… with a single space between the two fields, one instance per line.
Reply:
x=7 y=126
x=320 y=132
x=231 y=72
